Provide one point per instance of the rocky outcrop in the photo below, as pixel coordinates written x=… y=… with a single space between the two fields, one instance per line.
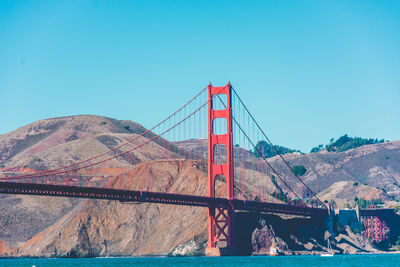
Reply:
x=189 y=249
x=262 y=239
x=348 y=242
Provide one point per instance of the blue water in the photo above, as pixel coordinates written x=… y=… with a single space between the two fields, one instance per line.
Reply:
x=385 y=260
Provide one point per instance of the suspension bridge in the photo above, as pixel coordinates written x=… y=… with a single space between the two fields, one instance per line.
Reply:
x=214 y=129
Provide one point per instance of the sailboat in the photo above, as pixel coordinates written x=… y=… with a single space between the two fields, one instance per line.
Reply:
x=330 y=252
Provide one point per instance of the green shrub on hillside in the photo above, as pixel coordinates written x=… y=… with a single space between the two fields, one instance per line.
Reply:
x=265 y=150
x=281 y=196
x=299 y=170
x=362 y=203
x=317 y=148
x=345 y=142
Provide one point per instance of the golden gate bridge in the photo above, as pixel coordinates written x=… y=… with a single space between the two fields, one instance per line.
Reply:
x=216 y=131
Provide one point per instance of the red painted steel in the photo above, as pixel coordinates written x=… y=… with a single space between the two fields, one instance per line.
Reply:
x=220 y=220
x=377 y=229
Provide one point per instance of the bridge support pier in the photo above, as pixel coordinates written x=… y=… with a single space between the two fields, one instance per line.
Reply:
x=375 y=228
x=221 y=241
x=218 y=252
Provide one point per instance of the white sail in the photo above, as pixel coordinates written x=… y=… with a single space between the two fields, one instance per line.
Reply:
x=330 y=252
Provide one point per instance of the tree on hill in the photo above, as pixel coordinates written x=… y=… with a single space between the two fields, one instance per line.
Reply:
x=362 y=203
x=265 y=150
x=317 y=148
x=332 y=203
x=346 y=142
x=299 y=170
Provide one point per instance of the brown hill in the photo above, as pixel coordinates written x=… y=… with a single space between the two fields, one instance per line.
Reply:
x=374 y=165
x=56 y=142
x=49 y=144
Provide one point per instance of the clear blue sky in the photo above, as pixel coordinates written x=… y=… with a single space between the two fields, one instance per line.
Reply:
x=308 y=70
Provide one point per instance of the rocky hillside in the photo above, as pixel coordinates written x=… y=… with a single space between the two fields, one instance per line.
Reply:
x=49 y=144
x=375 y=165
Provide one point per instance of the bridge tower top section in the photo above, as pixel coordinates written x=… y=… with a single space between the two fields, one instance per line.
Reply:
x=214 y=169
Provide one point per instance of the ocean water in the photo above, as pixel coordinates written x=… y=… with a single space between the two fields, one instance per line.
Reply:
x=383 y=260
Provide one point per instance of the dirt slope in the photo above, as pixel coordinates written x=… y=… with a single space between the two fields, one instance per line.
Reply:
x=345 y=191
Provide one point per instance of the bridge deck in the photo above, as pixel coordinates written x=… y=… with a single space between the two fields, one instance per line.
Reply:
x=154 y=197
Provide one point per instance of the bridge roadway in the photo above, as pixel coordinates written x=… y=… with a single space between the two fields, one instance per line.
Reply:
x=154 y=197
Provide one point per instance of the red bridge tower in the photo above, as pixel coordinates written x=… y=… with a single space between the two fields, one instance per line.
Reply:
x=220 y=219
